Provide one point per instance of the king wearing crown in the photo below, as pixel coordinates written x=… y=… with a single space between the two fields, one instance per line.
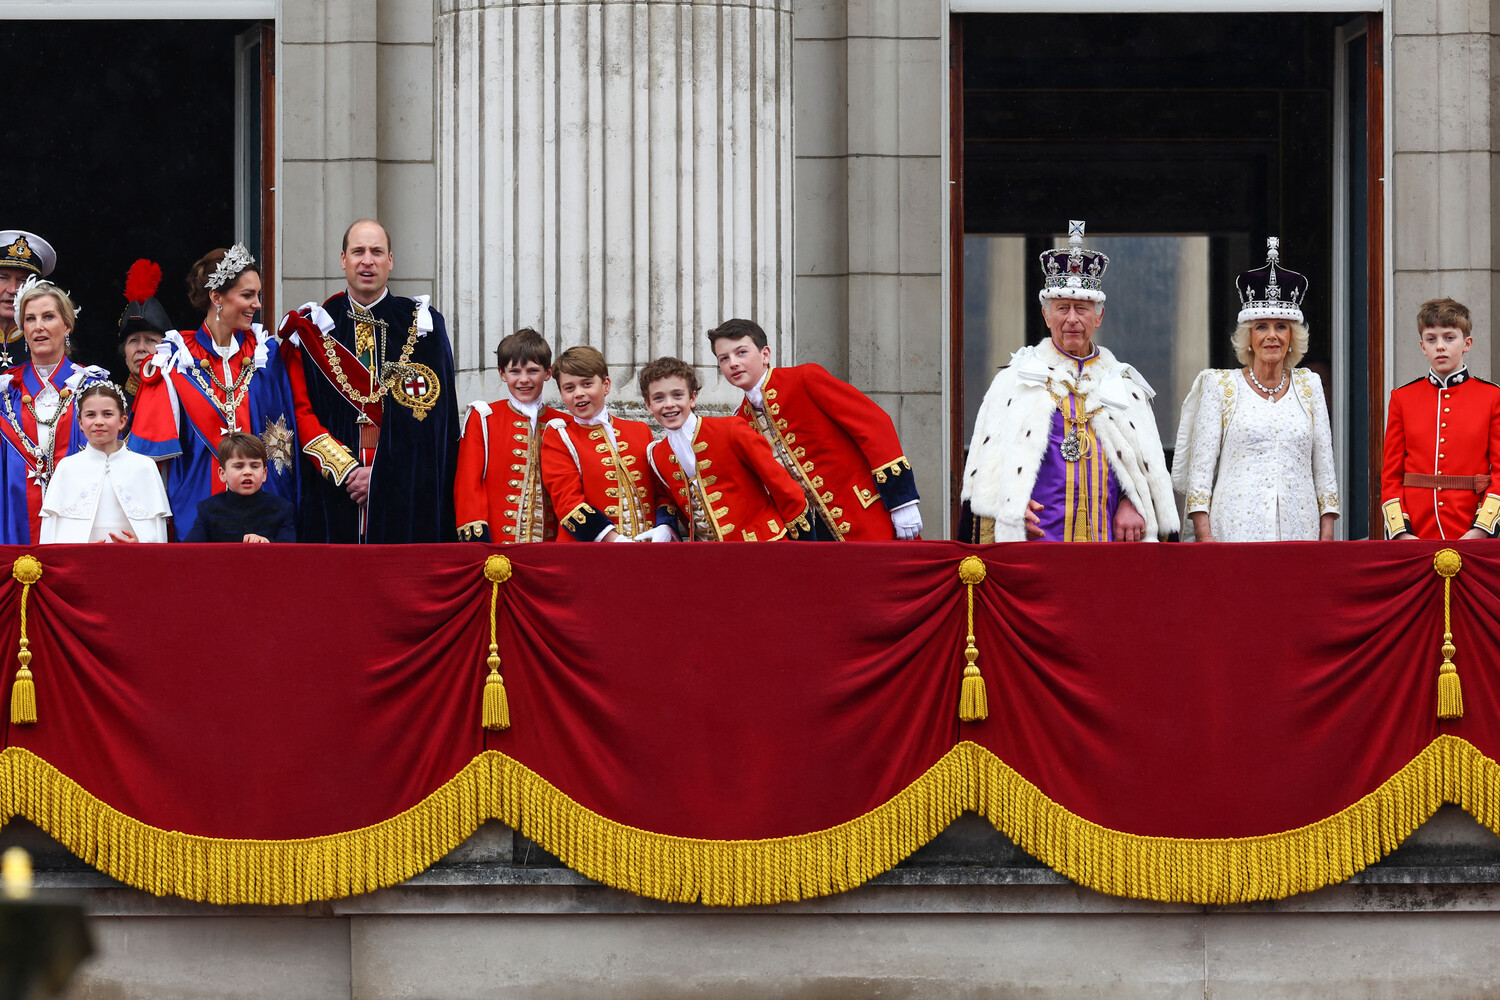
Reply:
x=1065 y=447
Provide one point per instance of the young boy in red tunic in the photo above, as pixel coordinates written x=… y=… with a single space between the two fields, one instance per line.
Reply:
x=839 y=446
x=1442 y=438
x=498 y=494
x=594 y=466
x=748 y=496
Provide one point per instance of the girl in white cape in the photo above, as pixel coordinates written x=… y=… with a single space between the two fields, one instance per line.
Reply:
x=104 y=493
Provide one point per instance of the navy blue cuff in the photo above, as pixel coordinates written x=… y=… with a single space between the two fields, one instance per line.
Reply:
x=586 y=524
x=896 y=483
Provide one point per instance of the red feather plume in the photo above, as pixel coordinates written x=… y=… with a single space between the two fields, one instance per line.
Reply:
x=142 y=280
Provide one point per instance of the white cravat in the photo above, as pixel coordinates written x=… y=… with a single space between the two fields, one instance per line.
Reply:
x=681 y=441
x=602 y=419
x=757 y=395
x=531 y=410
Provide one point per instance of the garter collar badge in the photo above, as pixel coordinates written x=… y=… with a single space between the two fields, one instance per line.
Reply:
x=414 y=386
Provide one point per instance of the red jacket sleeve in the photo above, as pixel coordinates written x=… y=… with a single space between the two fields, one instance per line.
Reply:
x=755 y=451
x=470 y=498
x=1393 y=510
x=856 y=414
x=331 y=456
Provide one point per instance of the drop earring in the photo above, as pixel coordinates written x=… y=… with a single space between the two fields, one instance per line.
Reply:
x=218 y=312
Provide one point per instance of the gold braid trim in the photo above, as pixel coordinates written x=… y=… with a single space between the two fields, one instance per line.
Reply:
x=748 y=872
x=1240 y=869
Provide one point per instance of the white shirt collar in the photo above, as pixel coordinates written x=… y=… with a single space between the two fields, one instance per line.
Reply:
x=378 y=299
x=681 y=441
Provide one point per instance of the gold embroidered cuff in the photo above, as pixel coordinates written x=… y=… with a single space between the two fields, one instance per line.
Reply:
x=1199 y=501
x=1488 y=512
x=1395 y=518
x=474 y=531
x=333 y=460
x=895 y=468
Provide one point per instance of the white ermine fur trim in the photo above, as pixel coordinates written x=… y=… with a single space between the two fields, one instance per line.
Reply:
x=1015 y=420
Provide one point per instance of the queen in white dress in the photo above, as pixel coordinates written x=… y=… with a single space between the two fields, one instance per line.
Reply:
x=1254 y=446
x=104 y=493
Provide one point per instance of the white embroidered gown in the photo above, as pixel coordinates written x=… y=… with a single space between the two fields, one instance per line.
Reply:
x=1262 y=470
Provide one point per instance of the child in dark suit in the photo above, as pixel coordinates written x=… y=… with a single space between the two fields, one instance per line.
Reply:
x=243 y=512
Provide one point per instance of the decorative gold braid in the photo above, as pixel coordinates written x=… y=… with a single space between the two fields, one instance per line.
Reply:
x=27 y=571
x=973 y=703
x=1450 y=703
x=496 y=711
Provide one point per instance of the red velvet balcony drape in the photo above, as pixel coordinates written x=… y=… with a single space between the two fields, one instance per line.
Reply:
x=746 y=723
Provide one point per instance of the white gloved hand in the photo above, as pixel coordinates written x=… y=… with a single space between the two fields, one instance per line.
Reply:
x=908 y=522
x=660 y=533
x=621 y=538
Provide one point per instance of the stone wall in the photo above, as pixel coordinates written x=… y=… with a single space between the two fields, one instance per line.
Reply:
x=872 y=110
x=1444 y=144
x=357 y=139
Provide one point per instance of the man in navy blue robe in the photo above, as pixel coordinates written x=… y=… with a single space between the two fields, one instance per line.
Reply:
x=377 y=415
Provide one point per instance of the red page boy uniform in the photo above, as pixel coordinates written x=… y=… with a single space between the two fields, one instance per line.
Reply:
x=747 y=497
x=595 y=472
x=839 y=445
x=1442 y=435
x=498 y=492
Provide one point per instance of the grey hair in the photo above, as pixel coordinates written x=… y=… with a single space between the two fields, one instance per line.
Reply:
x=1296 y=350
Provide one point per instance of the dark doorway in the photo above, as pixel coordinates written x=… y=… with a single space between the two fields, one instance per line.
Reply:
x=124 y=146
x=1184 y=141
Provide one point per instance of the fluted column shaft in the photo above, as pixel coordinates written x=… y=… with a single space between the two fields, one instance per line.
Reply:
x=614 y=173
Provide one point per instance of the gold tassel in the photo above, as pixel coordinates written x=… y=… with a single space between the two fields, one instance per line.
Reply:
x=973 y=702
x=496 y=713
x=27 y=570
x=1450 y=704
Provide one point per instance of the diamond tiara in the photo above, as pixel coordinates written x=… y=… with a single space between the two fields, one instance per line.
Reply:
x=235 y=261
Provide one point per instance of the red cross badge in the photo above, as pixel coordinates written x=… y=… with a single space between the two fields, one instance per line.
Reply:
x=416 y=387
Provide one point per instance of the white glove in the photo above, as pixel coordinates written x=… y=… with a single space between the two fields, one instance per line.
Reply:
x=621 y=538
x=908 y=521
x=660 y=533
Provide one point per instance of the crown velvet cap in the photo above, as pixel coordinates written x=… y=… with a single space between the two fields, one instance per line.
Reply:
x=27 y=251
x=1271 y=292
x=1074 y=273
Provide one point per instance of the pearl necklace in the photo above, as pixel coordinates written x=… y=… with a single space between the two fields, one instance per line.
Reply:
x=1270 y=393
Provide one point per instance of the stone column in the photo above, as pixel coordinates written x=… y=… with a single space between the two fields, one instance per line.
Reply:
x=614 y=173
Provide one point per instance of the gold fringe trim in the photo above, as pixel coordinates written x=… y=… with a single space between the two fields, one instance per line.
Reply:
x=750 y=872
x=1243 y=869
x=219 y=870
x=491 y=786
